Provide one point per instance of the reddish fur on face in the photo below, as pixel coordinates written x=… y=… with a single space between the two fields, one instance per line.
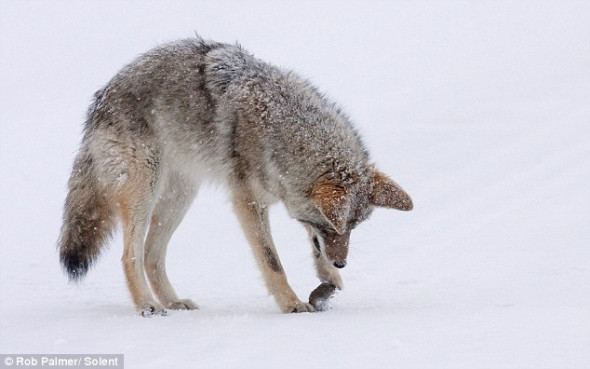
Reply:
x=337 y=246
x=333 y=202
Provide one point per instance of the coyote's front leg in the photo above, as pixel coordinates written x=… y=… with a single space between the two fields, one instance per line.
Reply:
x=253 y=217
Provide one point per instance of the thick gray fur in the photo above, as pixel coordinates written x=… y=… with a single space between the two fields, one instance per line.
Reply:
x=197 y=110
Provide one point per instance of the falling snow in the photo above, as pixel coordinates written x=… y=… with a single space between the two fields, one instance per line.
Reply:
x=480 y=110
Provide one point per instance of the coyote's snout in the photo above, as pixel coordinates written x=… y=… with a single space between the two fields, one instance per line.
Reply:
x=195 y=110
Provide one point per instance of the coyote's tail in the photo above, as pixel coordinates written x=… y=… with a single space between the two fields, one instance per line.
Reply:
x=88 y=219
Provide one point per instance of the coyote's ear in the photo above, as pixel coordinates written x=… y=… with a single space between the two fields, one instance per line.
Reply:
x=387 y=193
x=333 y=202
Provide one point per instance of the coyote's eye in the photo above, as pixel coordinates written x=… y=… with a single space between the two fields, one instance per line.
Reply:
x=321 y=229
x=359 y=217
x=310 y=223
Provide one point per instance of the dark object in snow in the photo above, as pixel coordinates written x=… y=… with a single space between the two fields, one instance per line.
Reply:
x=321 y=295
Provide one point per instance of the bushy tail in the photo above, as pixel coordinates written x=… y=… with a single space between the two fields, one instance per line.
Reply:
x=87 y=222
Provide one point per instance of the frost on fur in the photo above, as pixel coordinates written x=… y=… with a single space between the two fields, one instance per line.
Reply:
x=197 y=110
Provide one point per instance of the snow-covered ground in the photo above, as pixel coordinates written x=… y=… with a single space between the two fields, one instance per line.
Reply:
x=480 y=110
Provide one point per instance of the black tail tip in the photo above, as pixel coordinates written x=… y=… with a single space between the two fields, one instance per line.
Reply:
x=75 y=267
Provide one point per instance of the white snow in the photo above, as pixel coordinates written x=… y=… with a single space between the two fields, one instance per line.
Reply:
x=480 y=110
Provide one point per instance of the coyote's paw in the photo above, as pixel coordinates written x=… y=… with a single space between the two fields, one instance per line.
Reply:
x=183 y=304
x=152 y=309
x=299 y=307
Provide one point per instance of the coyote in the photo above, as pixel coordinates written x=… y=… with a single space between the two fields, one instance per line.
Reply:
x=197 y=110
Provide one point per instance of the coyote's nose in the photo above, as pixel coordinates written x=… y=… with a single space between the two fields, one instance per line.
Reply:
x=340 y=264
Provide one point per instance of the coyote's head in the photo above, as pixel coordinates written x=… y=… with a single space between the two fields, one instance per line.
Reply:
x=340 y=207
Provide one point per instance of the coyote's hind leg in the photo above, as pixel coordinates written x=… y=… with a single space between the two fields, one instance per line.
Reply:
x=135 y=207
x=169 y=211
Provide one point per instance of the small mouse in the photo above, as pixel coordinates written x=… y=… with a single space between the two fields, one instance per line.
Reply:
x=321 y=295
